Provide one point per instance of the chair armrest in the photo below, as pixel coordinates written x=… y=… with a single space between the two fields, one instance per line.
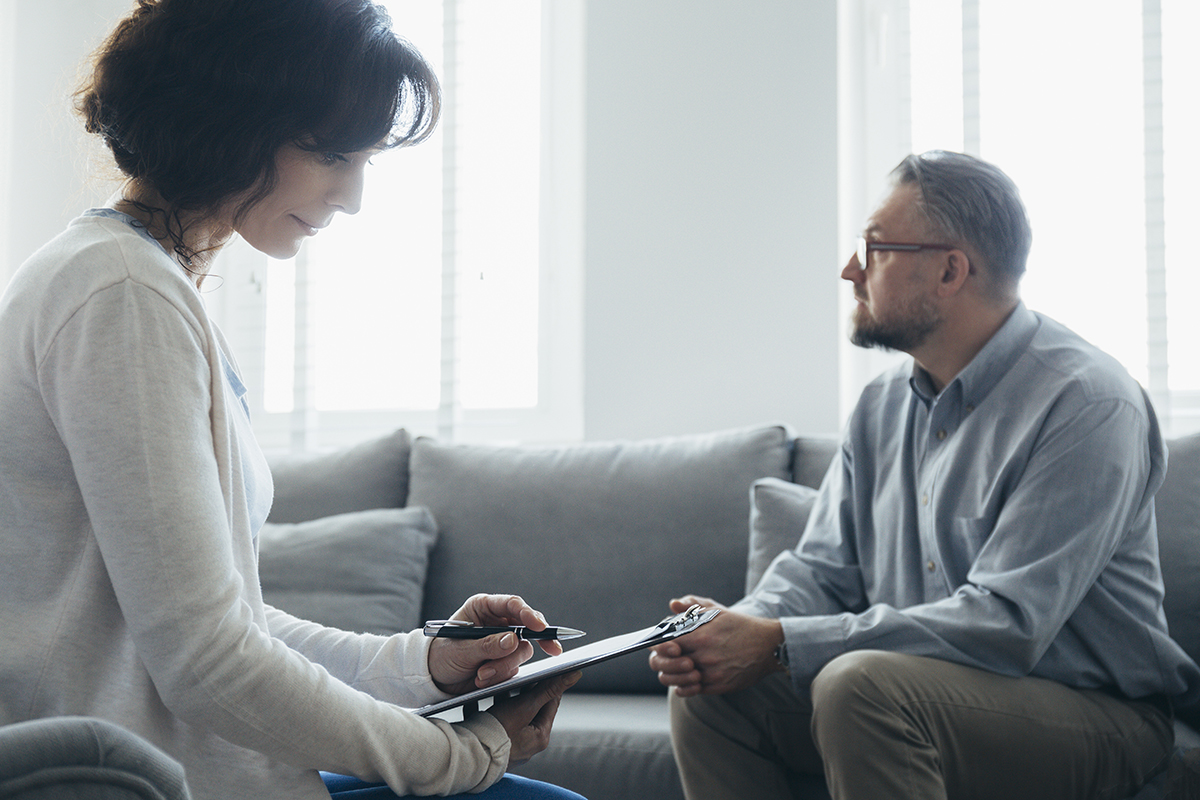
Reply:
x=81 y=757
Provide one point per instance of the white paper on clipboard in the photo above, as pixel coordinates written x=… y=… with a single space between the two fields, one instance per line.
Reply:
x=581 y=657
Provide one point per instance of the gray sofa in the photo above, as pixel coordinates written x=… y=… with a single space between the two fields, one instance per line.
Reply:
x=385 y=534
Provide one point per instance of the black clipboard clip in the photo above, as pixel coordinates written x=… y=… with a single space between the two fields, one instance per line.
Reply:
x=671 y=627
x=685 y=621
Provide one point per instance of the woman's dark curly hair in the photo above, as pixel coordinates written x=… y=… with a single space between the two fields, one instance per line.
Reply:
x=195 y=97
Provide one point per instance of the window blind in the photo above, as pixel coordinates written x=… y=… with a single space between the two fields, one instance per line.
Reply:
x=1094 y=118
x=1157 y=344
x=450 y=304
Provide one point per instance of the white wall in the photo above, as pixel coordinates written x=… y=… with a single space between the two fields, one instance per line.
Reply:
x=50 y=181
x=712 y=248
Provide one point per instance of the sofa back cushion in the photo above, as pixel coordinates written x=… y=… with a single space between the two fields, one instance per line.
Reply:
x=811 y=458
x=598 y=536
x=373 y=474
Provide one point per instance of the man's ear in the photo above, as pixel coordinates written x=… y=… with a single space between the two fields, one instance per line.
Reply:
x=955 y=269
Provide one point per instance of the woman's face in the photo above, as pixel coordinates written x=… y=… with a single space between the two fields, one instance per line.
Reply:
x=311 y=187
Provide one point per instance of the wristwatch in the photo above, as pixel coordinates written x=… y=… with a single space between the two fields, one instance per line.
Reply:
x=781 y=655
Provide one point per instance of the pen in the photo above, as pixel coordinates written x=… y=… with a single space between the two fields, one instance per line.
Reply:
x=461 y=629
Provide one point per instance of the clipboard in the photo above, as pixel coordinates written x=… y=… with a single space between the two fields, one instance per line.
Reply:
x=580 y=657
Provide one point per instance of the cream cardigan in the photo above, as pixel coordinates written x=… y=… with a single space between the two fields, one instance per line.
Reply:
x=130 y=492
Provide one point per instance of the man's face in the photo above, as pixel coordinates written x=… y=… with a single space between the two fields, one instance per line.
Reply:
x=896 y=290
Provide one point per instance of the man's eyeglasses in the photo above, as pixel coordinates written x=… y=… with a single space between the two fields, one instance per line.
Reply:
x=865 y=247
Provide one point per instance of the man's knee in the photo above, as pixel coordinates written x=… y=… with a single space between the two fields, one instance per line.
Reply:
x=855 y=676
x=858 y=690
x=861 y=726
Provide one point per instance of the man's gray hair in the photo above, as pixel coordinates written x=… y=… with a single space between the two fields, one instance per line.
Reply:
x=973 y=202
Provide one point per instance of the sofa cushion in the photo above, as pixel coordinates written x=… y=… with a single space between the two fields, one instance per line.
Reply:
x=373 y=474
x=599 y=536
x=811 y=458
x=363 y=571
x=1177 y=507
x=594 y=732
x=778 y=514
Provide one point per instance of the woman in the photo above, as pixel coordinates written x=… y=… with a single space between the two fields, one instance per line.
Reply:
x=131 y=486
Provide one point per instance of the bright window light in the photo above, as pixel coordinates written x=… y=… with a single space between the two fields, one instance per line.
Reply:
x=1181 y=131
x=936 y=74
x=1066 y=125
x=499 y=152
x=376 y=279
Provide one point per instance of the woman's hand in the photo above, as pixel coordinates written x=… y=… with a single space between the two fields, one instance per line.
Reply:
x=528 y=717
x=461 y=665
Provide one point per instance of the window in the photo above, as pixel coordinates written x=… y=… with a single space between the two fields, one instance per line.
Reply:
x=1087 y=106
x=445 y=305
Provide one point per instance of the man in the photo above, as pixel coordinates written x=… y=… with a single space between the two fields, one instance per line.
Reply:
x=974 y=609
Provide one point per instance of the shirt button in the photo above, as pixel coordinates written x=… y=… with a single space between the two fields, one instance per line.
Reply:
x=932 y=566
x=924 y=499
x=941 y=435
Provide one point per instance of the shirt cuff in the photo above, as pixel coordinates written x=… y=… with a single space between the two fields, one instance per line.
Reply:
x=813 y=642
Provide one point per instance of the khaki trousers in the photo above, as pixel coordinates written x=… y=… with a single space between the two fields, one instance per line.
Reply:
x=884 y=725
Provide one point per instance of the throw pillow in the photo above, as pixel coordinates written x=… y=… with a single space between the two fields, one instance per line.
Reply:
x=778 y=515
x=362 y=572
x=373 y=474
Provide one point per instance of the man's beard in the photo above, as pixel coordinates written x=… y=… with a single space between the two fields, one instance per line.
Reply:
x=907 y=330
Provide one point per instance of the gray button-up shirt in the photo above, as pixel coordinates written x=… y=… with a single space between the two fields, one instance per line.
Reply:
x=1005 y=523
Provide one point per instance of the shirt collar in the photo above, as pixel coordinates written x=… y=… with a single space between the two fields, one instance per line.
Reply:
x=989 y=365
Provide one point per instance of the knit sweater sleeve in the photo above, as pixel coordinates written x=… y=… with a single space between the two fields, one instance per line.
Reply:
x=390 y=668
x=130 y=382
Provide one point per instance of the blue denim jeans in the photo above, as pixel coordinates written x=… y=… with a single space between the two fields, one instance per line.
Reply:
x=509 y=787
